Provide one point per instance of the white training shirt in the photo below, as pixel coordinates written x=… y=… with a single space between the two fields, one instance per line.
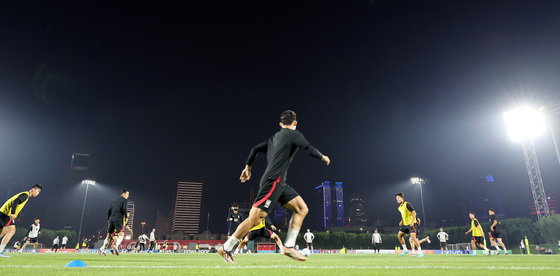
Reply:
x=308 y=237
x=34 y=230
x=143 y=238
x=376 y=238
x=152 y=236
x=442 y=236
x=56 y=241
x=64 y=240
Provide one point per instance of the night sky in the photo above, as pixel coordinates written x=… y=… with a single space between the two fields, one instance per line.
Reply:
x=165 y=92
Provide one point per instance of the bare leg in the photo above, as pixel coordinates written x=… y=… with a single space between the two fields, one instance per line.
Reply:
x=502 y=244
x=300 y=211
x=7 y=232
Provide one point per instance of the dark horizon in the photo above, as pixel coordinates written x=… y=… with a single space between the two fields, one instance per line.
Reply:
x=161 y=93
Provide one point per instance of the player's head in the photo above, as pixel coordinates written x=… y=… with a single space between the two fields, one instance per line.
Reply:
x=37 y=220
x=471 y=215
x=35 y=190
x=127 y=214
x=400 y=197
x=125 y=193
x=288 y=119
x=153 y=229
x=491 y=211
x=441 y=229
x=308 y=230
x=376 y=231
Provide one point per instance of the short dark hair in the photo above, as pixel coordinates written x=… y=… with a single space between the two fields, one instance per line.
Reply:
x=472 y=212
x=401 y=194
x=492 y=209
x=287 y=117
x=37 y=218
x=38 y=186
x=124 y=191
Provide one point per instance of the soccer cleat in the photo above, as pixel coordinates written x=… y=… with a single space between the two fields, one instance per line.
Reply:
x=505 y=252
x=486 y=252
x=428 y=239
x=420 y=255
x=228 y=258
x=294 y=254
x=404 y=253
x=2 y=255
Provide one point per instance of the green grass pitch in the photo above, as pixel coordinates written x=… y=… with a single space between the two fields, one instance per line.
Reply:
x=276 y=264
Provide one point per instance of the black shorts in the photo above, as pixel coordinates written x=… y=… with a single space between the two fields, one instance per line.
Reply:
x=407 y=229
x=33 y=240
x=309 y=244
x=5 y=220
x=262 y=232
x=272 y=191
x=478 y=239
x=494 y=234
x=442 y=244
x=115 y=226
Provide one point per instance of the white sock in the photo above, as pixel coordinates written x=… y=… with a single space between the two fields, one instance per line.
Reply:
x=419 y=249
x=2 y=246
x=119 y=240
x=230 y=243
x=291 y=237
x=497 y=248
x=404 y=246
x=104 y=244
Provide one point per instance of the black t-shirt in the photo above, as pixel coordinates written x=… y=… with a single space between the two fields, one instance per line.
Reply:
x=280 y=150
x=492 y=219
x=117 y=210
x=236 y=218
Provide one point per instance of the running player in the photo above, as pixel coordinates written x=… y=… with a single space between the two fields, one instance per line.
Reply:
x=407 y=224
x=443 y=237
x=234 y=219
x=116 y=215
x=477 y=233
x=494 y=233
x=121 y=237
x=261 y=230
x=9 y=212
x=280 y=150
x=32 y=235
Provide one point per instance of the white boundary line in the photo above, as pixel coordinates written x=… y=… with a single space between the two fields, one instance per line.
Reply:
x=297 y=267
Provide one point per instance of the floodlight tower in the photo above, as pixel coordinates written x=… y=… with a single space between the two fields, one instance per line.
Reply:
x=524 y=124
x=420 y=181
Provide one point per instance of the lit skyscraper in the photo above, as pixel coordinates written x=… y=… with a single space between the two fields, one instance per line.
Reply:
x=339 y=204
x=186 y=210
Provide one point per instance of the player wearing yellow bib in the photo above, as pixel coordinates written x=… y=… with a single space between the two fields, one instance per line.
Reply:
x=261 y=231
x=9 y=212
x=408 y=224
x=477 y=234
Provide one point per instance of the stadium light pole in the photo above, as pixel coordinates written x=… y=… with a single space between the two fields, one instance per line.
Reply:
x=524 y=124
x=420 y=181
x=86 y=182
x=143 y=223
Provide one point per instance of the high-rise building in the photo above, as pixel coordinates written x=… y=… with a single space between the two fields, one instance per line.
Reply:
x=357 y=212
x=186 y=210
x=339 y=203
x=130 y=223
x=325 y=201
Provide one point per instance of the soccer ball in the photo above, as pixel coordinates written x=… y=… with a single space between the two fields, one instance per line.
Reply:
x=306 y=252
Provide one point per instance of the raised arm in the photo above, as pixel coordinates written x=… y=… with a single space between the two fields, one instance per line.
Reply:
x=302 y=142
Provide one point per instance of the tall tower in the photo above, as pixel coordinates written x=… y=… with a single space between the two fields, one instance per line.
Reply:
x=186 y=210
x=339 y=204
x=326 y=216
x=130 y=223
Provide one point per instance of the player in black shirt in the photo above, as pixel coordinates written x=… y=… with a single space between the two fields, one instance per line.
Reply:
x=116 y=215
x=495 y=235
x=280 y=150
x=234 y=219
